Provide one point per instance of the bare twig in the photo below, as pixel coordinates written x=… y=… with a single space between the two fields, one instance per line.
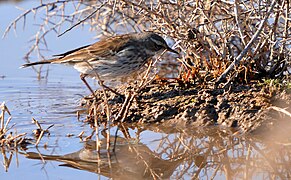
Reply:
x=83 y=20
x=248 y=46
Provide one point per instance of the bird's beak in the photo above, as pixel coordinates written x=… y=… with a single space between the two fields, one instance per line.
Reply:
x=172 y=50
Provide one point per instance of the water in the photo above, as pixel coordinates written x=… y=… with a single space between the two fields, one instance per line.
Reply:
x=54 y=100
x=162 y=151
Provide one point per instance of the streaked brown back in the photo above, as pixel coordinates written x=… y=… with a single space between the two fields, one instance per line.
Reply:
x=101 y=49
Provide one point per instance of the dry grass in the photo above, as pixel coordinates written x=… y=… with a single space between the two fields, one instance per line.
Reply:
x=9 y=141
x=7 y=138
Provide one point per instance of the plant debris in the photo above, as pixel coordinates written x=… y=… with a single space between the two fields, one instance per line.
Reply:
x=7 y=138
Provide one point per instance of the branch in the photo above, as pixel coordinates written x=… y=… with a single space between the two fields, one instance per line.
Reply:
x=23 y=15
x=248 y=46
x=81 y=21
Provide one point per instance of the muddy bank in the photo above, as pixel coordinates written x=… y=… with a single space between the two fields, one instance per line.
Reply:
x=247 y=107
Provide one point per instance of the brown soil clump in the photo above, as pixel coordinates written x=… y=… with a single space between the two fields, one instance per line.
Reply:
x=247 y=107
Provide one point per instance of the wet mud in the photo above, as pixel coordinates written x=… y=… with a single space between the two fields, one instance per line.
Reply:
x=246 y=107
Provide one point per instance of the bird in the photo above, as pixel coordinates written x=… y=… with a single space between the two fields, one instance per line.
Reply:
x=111 y=58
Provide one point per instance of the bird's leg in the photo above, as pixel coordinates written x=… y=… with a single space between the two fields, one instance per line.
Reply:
x=113 y=91
x=82 y=76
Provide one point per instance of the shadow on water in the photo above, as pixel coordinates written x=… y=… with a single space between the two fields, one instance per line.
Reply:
x=207 y=153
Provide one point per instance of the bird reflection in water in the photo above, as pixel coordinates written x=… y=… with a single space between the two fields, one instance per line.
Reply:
x=130 y=160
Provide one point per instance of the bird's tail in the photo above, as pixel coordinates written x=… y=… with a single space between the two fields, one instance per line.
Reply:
x=37 y=63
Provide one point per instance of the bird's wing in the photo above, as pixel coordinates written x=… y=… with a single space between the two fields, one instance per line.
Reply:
x=70 y=52
x=103 y=49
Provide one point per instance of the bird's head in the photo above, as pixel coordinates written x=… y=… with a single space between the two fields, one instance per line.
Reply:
x=156 y=43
